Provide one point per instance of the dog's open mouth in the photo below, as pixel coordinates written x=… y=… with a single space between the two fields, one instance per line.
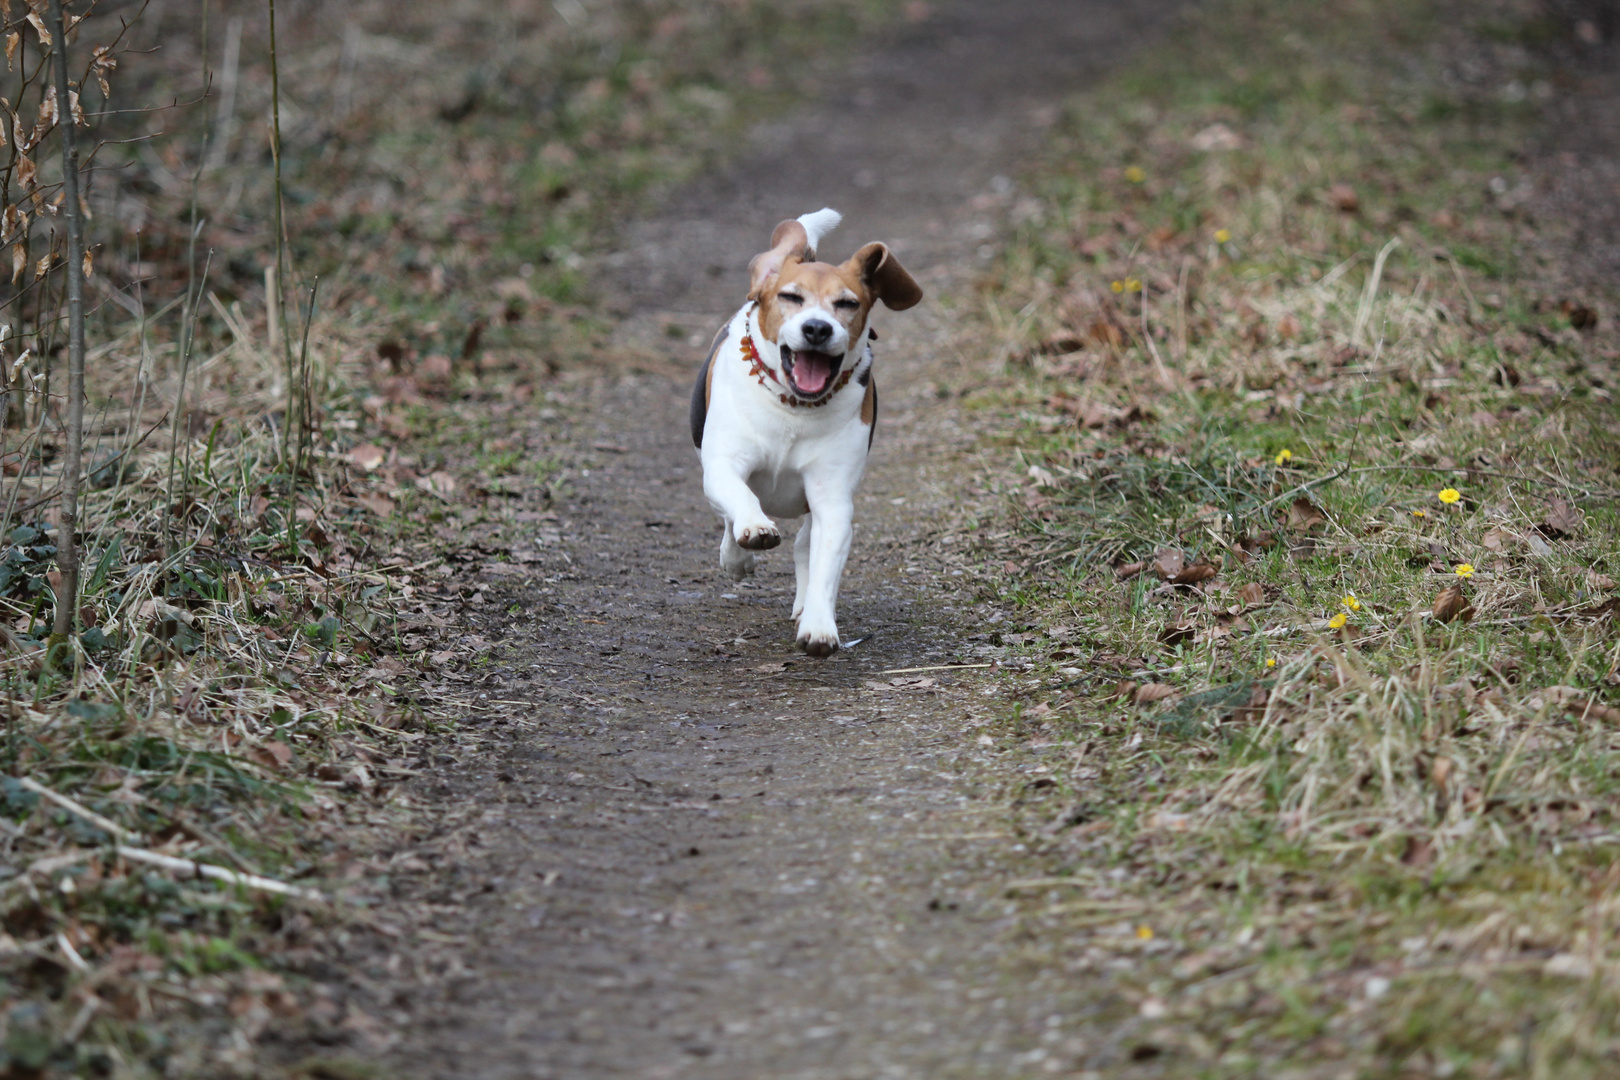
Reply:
x=809 y=373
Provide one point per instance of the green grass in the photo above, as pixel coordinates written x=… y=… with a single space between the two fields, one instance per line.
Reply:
x=1309 y=801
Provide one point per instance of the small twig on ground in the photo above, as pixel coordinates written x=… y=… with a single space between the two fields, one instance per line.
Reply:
x=112 y=828
x=217 y=873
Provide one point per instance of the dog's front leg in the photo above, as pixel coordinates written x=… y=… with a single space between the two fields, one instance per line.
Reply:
x=831 y=524
x=748 y=529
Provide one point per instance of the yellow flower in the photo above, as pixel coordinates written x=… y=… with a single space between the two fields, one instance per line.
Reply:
x=1338 y=620
x=1465 y=570
x=1420 y=513
x=1117 y=286
x=1449 y=495
x=1145 y=932
x=1133 y=285
x=1351 y=602
x=1271 y=661
x=1222 y=236
x=1284 y=456
x=1135 y=174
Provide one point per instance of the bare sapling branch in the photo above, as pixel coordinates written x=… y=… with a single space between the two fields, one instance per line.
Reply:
x=274 y=302
x=67 y=547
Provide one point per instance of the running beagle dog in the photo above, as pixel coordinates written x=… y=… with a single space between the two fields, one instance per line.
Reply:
x=785 y=407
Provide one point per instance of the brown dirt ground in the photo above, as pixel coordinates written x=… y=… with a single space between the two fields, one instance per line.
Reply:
x=680 y=848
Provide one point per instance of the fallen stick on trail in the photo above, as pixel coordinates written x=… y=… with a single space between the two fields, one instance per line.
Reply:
x=168 y=862
x=217 y=873
x=111 y=828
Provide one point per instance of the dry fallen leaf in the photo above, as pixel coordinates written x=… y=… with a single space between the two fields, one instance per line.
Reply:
x=1251 y=594
x=272 y=755
x=1105 y=333
x=1216 y=136
x=1168 y=562
x=1148 y=693
x=1129 y=570
x=439 y=483
x=1419 y=851
x=1304 y=514
x=368 y=456
x=433 y=369
x=1177 y=633
x=1042 y=477
x=1198 y=571
x=1093 y=415
x=1580 y=316
x=1258 y=541
x=1452 y=604
x=1495 y=539
x=1170 y=822
x=1255 y=710
x=1344 y=198
x=1562 y=519
x=1440 y=773
x=378 y=504
x=1580 y=703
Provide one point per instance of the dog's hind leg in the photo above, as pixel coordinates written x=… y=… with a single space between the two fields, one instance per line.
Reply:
x=735 y=560
x=801 y=565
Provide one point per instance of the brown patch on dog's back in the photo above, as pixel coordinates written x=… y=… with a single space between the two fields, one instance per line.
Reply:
x=703 y=390
x=869 y=409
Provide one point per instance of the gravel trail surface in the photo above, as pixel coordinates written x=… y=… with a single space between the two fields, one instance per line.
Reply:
x=698 y=853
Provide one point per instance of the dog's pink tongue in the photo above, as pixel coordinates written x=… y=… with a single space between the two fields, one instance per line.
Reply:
x=811 y=372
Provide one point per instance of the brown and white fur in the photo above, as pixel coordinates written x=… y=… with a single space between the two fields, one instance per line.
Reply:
x=787 y=436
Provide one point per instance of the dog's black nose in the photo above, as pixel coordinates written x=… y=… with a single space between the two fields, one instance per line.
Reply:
x=817 y=332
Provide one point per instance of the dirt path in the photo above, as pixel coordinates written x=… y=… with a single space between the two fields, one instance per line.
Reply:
x=700 y=854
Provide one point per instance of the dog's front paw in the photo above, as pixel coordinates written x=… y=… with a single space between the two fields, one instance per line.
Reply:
x=736 y=562
x=760 y=537
x=818 y=637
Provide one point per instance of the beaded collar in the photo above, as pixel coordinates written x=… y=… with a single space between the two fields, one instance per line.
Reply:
x=757 y=368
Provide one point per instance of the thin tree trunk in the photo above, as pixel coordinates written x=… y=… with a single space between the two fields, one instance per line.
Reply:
x=67 y=547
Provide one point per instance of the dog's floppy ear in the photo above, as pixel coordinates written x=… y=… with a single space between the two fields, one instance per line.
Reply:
x=884 y=275
x=789 y=241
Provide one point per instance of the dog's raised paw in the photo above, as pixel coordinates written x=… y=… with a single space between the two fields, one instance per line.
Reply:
x=759 y=537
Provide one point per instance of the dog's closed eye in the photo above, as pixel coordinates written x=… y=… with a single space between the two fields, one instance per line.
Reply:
x=790 y=298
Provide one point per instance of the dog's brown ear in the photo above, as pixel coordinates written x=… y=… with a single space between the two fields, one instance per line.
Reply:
x=884 y=275
x=788 y=241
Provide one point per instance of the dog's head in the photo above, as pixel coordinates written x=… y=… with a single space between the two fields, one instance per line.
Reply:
x=814 y=313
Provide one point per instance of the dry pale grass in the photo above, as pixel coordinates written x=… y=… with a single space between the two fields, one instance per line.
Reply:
x=1316 y=480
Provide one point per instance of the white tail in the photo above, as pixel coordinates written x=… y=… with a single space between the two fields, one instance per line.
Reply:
x=819 y=224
